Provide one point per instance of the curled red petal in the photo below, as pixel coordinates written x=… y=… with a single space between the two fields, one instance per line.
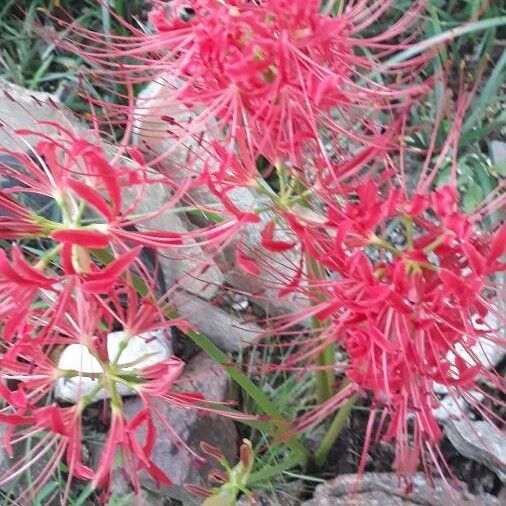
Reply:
x=269 y=243
x=498 y=247
x=91 y=196
x=246 y=263
x=82 y=237
x=99 y=281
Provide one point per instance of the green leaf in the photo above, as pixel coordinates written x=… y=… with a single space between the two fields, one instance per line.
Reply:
x=489 y=93
x=416 y=49
x=473 y=195
x=45 y=492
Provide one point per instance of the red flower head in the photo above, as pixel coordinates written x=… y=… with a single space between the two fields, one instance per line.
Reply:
x=275 y=73
x=406 y=313
x=33 y=368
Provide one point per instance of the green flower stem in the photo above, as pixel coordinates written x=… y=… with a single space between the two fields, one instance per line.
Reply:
x=381 y=243
x=46 y=258
x=334 y=430
x=324 y=376
x=408 y=222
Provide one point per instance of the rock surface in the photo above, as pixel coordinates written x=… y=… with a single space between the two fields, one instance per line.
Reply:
x=481 y=442
x=226 y=330
x=453 y=406
x=24 y=109
x=190 y=267
x=485 y=353
x=167 y=130
x=498 y=152
x=277 y=269
x=378 y=489
x=161 y=122
x=203 y=375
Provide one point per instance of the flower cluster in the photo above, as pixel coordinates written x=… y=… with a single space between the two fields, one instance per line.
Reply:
x=72 y=274
x=408 y=316
x=270 y=74
x=293 y=126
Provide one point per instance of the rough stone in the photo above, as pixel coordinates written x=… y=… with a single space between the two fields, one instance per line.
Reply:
x=277 y=269
x=226 y=330
x=24 y=109
x=190 y=267
x=498 y=152
x=286 y=496
x=484 y=353
x=162 y=129
x=382 y=489
x=161 y=122
x=481 y=442
x=205 y=376
x=152 y=347
x=453 y=406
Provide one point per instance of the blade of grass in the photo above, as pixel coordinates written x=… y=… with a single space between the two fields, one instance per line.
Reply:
x=249 y=388
x=269 y=471
x=334 y=430
x=35 y=80
x=488 y=93
x=443 y=37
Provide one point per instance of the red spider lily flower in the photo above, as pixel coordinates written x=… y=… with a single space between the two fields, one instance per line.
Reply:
x=87 y=191
x=134 y=455
x=21 y=283
x=67 y=423
x=60 y=434
x=273 y=72
x=30 y=370
x=74 y=172
x=405 y=314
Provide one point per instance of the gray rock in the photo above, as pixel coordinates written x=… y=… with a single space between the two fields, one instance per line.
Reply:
x=163 y=126
x=24 y=109
x=277 y=269
x=205 y=376
x=142 y=350
x=486 y=353
x=382 y=489
x=226 y=330
x=190 y=267
x=453 y=406
x=498 y=152
x=286 y=496
x=479 y=441
x=162 y=129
